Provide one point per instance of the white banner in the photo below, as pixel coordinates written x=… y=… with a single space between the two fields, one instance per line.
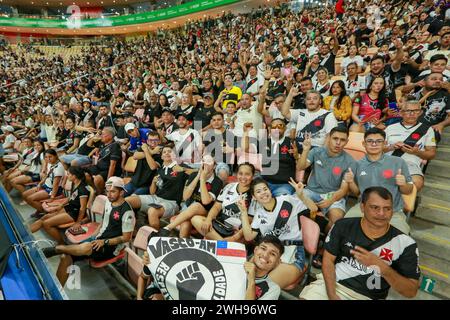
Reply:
x=194 y=269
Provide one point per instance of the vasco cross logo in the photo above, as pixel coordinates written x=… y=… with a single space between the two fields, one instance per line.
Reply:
x=197 y=273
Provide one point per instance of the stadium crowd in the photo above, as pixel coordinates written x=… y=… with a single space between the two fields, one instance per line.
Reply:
x=235 y=128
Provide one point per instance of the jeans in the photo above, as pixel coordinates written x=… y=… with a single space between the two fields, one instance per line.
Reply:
x=280 y=189
x=80 y=160
x=131 y=189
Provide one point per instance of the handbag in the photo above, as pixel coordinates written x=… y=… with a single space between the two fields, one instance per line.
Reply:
x=223 y=228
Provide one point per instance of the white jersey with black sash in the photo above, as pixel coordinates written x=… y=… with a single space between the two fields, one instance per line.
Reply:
x=282 y=221
x=395 y=248
x=319 y=123
x=266 y=289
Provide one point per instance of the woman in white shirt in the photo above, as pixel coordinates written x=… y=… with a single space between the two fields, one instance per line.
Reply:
x=322 y=83
x=279 y=216
x=31 y=173
x=352 y=57
x=50 y=186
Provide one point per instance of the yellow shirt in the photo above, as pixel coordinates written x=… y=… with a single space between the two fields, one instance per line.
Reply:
x=234 y=95
x=344 y=112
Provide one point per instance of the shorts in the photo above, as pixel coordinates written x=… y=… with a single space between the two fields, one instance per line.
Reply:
x=105 y=253
x=294 y=255
x=222 y=166
x=49 y=190
x=318 y=291
x=35 y=177
x=151 y=200
x=316 y=197
x=95 y=171
x=414 y=169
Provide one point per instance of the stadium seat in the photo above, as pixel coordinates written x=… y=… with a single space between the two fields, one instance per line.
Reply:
x=133 y=260
x=310 y=235
x=98 y=208
x=354 y=146
x=130 y=165
x=100 y=264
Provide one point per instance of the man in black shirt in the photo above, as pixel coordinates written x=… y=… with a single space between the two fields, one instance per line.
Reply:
x=365 y=257
x=205 y=110
x=328 y=55
x=363 y=34
x=108 y=163
x=435 y=102
x=111 y=235
x=148 y=161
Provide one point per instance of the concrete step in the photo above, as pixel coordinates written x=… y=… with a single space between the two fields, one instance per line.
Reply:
x=438 y=270
x=434 y=213
x=437 y=182
x=439 y=168
x=445 y=139
x=435 y=196
x=432 y=239
x=443 y=153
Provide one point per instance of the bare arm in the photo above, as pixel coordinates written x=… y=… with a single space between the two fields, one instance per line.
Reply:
x=329 y=275
x=112 y=168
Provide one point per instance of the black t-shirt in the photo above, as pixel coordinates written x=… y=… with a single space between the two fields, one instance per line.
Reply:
x=396 y=248
x=213 y=140
x=143 y=175
x=84 y=149
x=437 y=107
x=105 y=93
x=328 y=62
x=107 y=121
x=116 y=221
x=107 y=153
x=150 y=114
x=188 y=112
x=359 y=33
x=299 y=102
x=203 y=114
x=388 y=74
x=213 y=185
x=282 y=158
x=275 y=87
x=74 y=205
x=171 y=185
x=70 y=139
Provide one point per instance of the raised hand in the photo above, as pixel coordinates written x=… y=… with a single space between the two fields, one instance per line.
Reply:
x=349 y=177
x=297 y=186
x=400 y=179
x=307 y=142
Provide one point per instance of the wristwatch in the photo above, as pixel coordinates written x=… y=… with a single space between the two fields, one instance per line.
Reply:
x=106 y=243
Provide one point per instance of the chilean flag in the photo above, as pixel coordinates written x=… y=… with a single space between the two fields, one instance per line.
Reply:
x=225 y=248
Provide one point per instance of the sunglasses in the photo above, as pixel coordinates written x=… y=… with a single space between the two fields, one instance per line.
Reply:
x=277 y=126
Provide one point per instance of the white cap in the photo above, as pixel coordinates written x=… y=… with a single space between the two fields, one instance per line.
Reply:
x=115 y=182
x=7 y=128
x=129 y=126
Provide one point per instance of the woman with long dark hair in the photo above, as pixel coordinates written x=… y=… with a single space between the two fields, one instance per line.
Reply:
x=279 y=216
x=31 y=173
x=223 y=219
x=339 y=102
x=50 y=185
x=71 y=210
x=369 y=109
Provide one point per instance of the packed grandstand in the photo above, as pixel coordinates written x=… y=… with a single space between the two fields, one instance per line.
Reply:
x=299 y=145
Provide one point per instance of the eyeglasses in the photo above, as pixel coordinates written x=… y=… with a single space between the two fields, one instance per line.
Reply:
x=152 y=140
x=277 y=126
x=415 y=111
x=376 y=142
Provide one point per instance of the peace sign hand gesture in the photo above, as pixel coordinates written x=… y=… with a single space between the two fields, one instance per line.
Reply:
x=297 y=186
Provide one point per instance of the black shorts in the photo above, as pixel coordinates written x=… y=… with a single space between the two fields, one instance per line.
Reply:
x=35 y=177
x=95 y=171
x=105 y=253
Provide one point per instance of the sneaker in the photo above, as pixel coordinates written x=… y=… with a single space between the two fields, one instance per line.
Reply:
x=162 y=233
x=49 y=252
x=37 y=215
